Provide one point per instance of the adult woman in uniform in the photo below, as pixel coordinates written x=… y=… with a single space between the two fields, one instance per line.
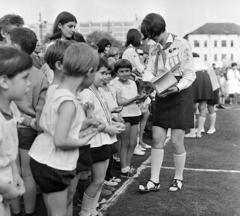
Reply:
x=174 y=108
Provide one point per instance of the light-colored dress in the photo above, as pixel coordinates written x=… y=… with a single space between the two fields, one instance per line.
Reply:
x=232 y=85
x=8 y=144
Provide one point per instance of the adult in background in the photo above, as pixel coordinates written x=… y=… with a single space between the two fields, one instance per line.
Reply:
x=174 y=108
x=104 y=46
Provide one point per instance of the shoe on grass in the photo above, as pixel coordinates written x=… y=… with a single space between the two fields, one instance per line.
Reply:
x=129 y=175
x=110 y=182
x=149 y=186
x=176 y=185
x=144 y=145
x=137 y=151
x=105 y=192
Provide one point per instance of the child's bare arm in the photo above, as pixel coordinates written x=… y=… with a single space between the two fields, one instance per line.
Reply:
x=125 y=102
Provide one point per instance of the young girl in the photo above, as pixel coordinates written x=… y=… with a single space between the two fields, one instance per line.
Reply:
x=101 y=144
x=127 y=96
x=14 y=84
x=54 y=153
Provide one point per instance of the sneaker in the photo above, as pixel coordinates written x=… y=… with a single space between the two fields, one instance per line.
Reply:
x=146 y=146
x=137 y=151
x=107 y=187
x=115 y=179
x=110 y=182
x=105 y=192
x=190 y=135
x=129 y=175
x=141 y=148
x=102 y=201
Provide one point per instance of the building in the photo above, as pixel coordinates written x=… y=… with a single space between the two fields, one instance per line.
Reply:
x=117 y=29
x=216 y=42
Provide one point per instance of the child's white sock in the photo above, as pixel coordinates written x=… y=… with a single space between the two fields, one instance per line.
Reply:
x=179 y=162
x=95 y=203
x=87 y=203
x=212 y=123
x=156 y=163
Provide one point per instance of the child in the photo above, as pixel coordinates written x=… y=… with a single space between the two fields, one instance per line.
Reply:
x=127 y=96
x=7 y=23
x=55 y=152
x=101 y=144
x=14 y=84
x=31 y=107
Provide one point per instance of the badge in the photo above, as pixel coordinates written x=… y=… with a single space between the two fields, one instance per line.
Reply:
x=170 y=51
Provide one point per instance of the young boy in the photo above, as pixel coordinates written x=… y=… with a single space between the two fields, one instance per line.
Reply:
x=30 y=106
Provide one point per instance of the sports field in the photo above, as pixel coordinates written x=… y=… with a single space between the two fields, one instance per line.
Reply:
x=211 y=178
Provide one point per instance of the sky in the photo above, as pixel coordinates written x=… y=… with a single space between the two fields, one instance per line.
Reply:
x=181 y=16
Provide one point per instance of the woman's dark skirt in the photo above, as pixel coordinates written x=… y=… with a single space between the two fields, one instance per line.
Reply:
x=215 y=99
x=175 y=111
x=202 y=87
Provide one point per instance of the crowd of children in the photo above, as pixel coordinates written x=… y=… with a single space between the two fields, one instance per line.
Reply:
x=67 y=117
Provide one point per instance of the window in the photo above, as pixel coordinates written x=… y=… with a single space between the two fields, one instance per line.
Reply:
x=205 y=43
x=96 y=25
x=232 y=43
x=84 y=25
x=118 y=24
x=196 y=43
x=224 y=56
x=128 y=24
x=232 y=57
x=205 y=57
x=215 y=57
x=224 y=43
x=215 y=43
x=117 y=29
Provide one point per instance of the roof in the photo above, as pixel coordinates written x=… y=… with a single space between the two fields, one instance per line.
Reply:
x=217 y=29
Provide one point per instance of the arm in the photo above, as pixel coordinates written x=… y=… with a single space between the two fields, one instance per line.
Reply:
x=125 y=102
x=189 y=74
x=17 y=180
x=61 y=137
x=133 y=57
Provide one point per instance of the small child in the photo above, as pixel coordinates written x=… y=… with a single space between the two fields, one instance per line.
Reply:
x=14 y=84
x=101 y=144
x=127 y=96
x=54 y=153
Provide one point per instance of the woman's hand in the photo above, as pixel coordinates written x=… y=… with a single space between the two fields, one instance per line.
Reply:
x=171 y=90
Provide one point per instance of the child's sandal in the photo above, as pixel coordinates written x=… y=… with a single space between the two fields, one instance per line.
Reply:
x=176 y=185
x=145 y=188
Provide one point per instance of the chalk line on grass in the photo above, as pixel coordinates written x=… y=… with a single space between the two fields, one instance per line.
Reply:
x=203 y=170
x=123 y=188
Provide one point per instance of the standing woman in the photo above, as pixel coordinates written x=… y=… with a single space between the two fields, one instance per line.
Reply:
x=174 y=108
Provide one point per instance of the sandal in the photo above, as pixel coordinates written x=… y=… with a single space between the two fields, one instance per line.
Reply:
x=176 y=185
x=145 y=188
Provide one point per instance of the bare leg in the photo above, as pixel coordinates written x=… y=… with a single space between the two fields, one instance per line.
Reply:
x=125 y=145
x=143 y=122
x=202 y=117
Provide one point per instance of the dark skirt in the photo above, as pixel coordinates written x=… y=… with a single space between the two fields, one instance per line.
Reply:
x=215 y=99
x=101 y=153
x=202 y=87
x=175 y=111
x=84 y=160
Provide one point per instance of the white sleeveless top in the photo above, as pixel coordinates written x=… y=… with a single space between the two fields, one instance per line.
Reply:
x=43 y=149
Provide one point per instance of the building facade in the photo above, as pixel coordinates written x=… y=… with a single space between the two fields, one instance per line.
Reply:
x=216 y=43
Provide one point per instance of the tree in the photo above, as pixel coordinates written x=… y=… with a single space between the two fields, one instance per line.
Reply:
x=95 y=36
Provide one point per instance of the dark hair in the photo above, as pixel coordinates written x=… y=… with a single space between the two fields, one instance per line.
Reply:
x=102 y=44
x=234 y=64
x=55 y=52
x=122 y=63
x=25 y=38
x=133 y=37
x=13 y=61
x=78 y=59
x=63 y=18
x=102 y=63
x=78 y=37
x=8 y=20
x=95 y=47
x=152 y=25
x=195 y=55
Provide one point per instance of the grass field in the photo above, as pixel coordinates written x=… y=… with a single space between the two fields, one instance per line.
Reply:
x=211 y=178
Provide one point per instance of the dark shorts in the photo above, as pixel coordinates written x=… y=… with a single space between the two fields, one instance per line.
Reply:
x=101 y=153
x=84 y=160
x=114 y=149
x=26 y=137
x=132 y=120
x=50 y=180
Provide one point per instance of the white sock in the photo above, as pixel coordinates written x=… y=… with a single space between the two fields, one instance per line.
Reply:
x=179 y=162
x=95 y=203
x=87 y=203
x=156 y=163
x=212 y=121
x=201 y=122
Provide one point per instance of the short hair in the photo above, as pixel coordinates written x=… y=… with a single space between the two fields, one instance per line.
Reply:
x=195 y=55
x=13 y=61
x=78 y=59
x=102 y=63
x=122 y=63
x=8 y=20
x=113 y=51
x=234 y=64
x=63 y=18
x=102 y=44
x=134 y=38
x=78 y=37
x=55 y=52
x=152 y=25
x=25 y=38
